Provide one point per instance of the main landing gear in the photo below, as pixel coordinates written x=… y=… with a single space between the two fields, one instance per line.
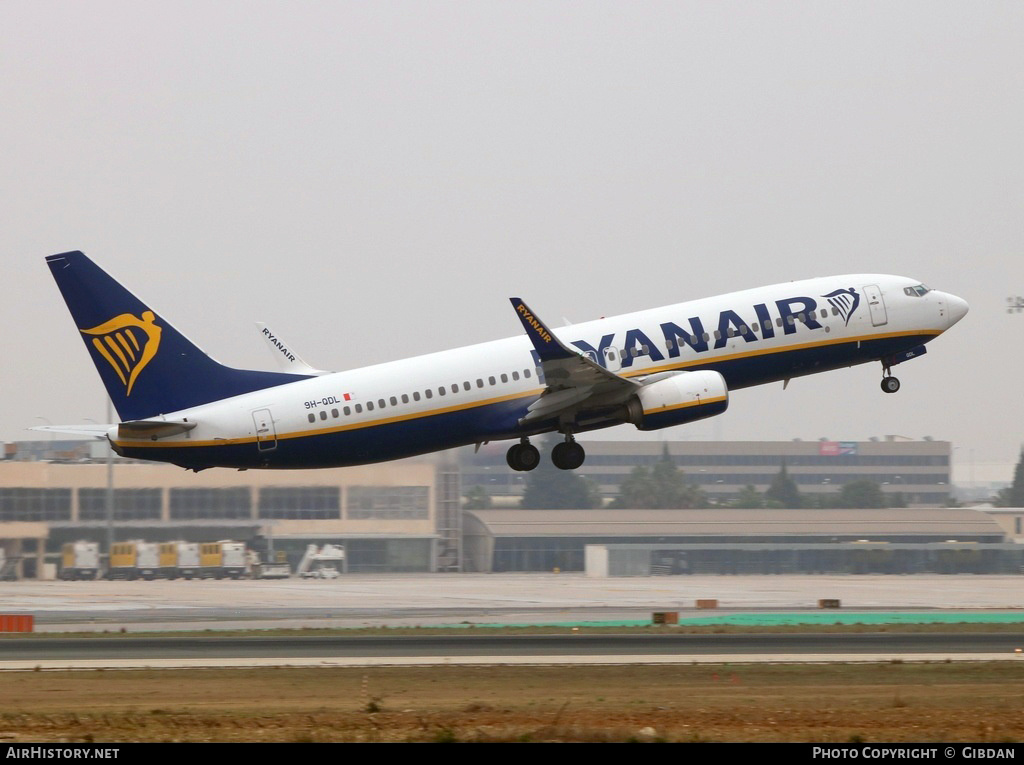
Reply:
x=567 y=455
x=890 y=384
x=523 y=456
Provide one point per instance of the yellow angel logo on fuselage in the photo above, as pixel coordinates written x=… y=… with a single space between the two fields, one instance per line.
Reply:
x=128 y=343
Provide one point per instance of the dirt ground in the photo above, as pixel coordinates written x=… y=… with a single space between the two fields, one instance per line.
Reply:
x=892 y=702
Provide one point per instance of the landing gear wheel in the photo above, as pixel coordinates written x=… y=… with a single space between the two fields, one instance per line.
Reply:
x=568 y=455
x=890 y=384
x=522 y=456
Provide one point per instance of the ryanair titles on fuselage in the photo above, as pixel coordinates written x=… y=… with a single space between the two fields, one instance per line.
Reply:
x=698 y=337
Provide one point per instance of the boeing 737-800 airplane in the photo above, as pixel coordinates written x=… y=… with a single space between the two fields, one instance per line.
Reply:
x=653 y=369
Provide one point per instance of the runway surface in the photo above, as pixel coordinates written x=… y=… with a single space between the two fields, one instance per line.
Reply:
x=578 y=648
x=461 y=601
x=452 y=599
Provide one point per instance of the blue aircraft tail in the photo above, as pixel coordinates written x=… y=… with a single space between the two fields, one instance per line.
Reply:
x=147 y=366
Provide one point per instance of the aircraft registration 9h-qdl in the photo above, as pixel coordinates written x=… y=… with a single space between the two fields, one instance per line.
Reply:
x=652 y=369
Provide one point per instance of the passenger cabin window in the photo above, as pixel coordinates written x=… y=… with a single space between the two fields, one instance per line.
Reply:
x=515 y=375
x=312 y=418
x=504 y=377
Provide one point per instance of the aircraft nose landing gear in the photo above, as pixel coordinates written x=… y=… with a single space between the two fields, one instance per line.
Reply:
x=890 y=384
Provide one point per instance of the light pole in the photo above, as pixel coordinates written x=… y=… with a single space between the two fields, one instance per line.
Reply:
x=110 y=488
x=49 y=455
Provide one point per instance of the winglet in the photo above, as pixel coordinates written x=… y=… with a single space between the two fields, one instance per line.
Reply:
x=286 y=358
x=548 y=347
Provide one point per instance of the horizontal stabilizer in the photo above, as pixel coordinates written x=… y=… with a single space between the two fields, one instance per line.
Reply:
x=91 y=429
x=153 y=428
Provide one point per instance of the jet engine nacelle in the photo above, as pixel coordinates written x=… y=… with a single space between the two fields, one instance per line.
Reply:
x=677 y=398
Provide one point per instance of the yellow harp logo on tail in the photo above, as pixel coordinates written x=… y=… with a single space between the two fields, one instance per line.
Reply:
x=128 y=343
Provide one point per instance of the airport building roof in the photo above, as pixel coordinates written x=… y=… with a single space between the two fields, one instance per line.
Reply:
x=933 y=524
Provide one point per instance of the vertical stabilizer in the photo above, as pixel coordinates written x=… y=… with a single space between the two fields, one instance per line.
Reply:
x=147 y=366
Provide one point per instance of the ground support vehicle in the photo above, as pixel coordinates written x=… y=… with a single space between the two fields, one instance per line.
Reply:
x=80 y=560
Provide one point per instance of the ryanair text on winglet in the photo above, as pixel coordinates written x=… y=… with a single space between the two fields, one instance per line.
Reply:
x=278 y=344
x=528 y=318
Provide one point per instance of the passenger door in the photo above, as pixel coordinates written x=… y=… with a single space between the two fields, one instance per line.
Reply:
x=876 y=305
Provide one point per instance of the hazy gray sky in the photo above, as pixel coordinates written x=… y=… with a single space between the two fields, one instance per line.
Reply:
x=374 y=180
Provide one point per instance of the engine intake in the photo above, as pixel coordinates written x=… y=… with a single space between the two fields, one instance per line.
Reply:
x=678 y=398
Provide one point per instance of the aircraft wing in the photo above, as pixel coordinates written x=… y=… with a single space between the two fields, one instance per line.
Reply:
x=573 y=380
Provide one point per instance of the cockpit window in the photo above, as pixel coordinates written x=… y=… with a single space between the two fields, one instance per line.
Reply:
x=917 y=290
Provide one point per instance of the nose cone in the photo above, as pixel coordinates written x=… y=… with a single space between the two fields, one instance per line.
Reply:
x=956 y=308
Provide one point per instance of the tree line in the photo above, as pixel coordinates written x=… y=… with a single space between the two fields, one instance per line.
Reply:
x=1013 y=495
x=663 y=486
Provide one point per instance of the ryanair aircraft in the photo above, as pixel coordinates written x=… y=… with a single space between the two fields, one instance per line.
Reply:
x=652 y=369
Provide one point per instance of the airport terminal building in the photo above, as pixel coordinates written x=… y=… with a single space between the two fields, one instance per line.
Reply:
x=734 y=541
x=406 y=515
x=398 y=516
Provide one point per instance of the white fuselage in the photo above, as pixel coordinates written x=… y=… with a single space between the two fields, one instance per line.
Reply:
x=480 y=393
